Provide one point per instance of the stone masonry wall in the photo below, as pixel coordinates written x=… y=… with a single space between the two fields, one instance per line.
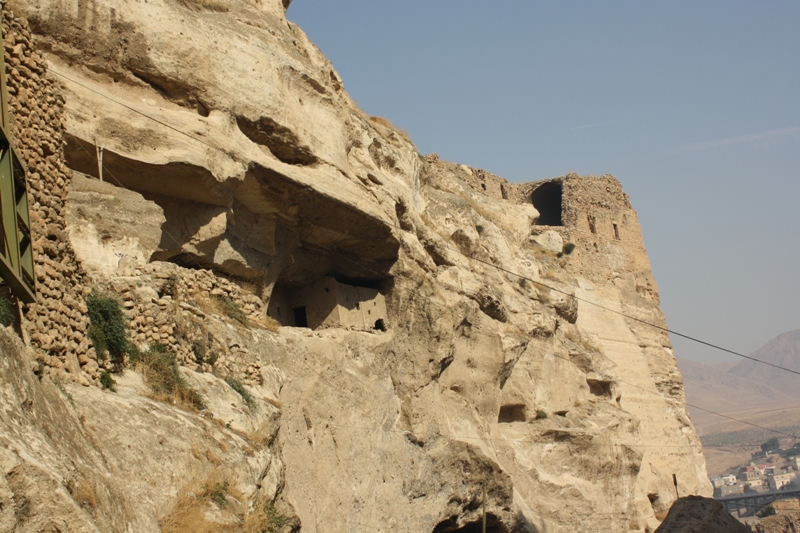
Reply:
x=57 y=322
x=164 y=302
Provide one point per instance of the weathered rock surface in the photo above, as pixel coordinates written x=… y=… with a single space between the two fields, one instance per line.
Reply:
x=783 y=523
x=511 y=361
x=695 y=514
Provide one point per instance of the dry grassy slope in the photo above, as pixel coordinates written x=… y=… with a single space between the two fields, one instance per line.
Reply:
x=746 y=389
x=281 y=180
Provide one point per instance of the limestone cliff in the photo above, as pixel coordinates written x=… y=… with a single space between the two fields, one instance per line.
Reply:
x=509 y=351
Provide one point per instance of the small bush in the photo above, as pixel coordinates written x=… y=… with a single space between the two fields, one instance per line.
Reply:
x=479 y=228
x=109 y=329
x=243 y=392
x=523 y=282
x=232 y=309
x=6 y=311
x=60 y=386
x=568 y=248
x=264 y=518
x=170 y=287
x=540 y=414
x=82 y=491
x=535 y=232
x=160 y=370
x=199 y=350
x=218 y=493
x=107 y=382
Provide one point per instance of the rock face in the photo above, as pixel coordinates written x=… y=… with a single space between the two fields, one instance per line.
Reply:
x=694 y=514
x=515 y=357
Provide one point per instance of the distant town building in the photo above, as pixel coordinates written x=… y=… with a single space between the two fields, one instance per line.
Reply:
x=754 y=484
x=729 y=479
x=778 y=481
x=729 y=490
x=750 y=474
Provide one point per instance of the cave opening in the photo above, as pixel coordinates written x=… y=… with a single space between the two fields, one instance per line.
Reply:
x=547 y=198
x=300 y=317
x=511 y=413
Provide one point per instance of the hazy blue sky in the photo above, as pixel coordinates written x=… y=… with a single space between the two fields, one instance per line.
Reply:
x=694 y=106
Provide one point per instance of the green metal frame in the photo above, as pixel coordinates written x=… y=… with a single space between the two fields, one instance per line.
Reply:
x=16 y=250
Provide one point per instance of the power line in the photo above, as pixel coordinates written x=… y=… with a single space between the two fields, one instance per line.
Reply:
x=642 y=321
x=507 y=271
x=129 y=108
x=662 y=328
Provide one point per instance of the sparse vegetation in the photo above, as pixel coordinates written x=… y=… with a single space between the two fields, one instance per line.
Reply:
x=540 y=414
x=535 y=232
x=160 y=370
x=769 y=510
x=568 y=248
x=170 y=287
x=523 y=282
x=67 y=395
x=82 y=491
x=109 y=329
x=214 y=505
x=218 y=494
x=749 y=437
x=264 y=518
x=232 y=309
x=386 y=123
x=479 y=228
x=107 y=382
x=6 y=311
x=243 y=392
x=199 y=350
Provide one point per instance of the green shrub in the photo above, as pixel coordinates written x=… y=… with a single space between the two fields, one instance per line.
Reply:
x=274 y=521
x=107 y=382
x=263 y=517
x=540 y=414
x=109 y=329
x=523 y=282
x=160 y=370
x=568 y=248
x=243 y=392
x=219 y=493
x=199 y=351
x=60 y=386
x=479 y=228
x=6 y=311
x=232 y=309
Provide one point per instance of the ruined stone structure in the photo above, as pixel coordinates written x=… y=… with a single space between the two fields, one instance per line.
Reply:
x=235 y=193
x=329 y=303
x=57 y=322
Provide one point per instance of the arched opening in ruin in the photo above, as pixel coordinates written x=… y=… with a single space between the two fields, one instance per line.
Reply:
x=511 y=413
x=546 y=198
x=380 y=325
x=493 y=525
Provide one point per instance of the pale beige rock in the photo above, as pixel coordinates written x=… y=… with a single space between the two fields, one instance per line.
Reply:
x=572 y=416
x=694 y=514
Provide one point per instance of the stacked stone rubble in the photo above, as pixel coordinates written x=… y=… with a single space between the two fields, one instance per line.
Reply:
x=172 y=306
x=57 y=322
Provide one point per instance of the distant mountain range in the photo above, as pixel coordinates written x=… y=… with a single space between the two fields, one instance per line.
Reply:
x=738 y=387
